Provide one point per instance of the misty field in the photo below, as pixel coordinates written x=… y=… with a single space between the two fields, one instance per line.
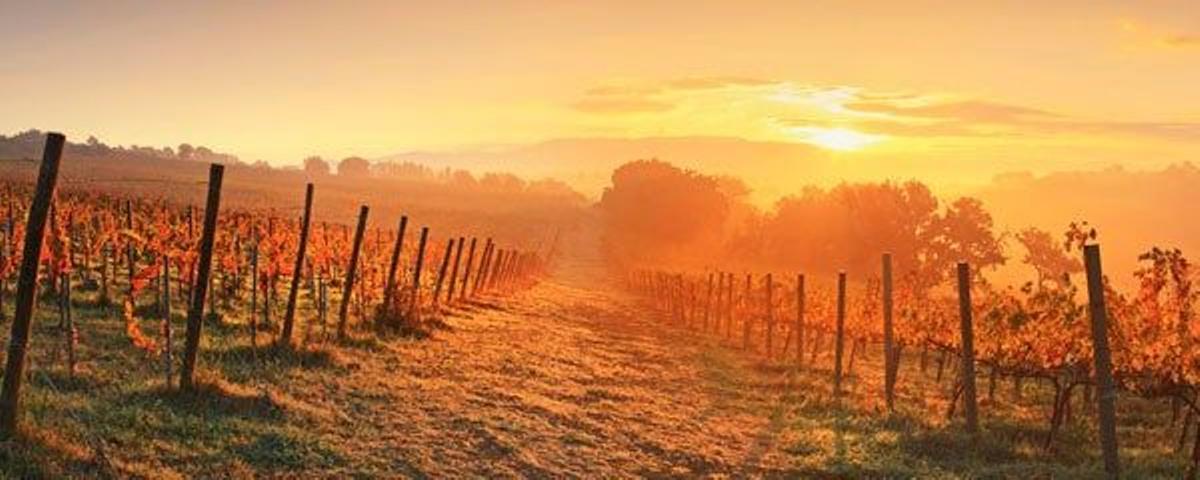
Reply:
x=650 y=335
x=571 y=378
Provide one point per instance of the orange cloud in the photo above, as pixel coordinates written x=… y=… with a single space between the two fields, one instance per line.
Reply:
x=970 y=110
x=707 y=83
x=621 y=105
x=1182 y=40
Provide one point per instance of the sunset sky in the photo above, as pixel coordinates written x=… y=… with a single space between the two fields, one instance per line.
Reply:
x=957 y=91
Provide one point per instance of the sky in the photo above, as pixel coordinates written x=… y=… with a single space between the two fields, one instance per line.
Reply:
x=957 y=91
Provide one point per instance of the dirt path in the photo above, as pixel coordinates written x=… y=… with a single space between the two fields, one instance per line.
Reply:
x=573 y=378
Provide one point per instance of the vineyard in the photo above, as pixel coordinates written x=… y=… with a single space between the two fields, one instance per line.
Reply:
x=245 y=341
x=1107 y=346
x=170 y=271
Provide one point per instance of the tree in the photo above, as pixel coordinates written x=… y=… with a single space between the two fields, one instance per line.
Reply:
x=185 y=151
x=356 y=167
x=654 y=208
x=316 y=166
x=964 y=234
x=1047 y=257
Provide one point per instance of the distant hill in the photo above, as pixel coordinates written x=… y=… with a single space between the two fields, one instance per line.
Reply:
x=1133 y=210
x=587 y=163
x=445 y=200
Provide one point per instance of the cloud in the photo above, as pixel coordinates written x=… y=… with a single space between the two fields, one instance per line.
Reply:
x=967 y=111
x=621 y=105
x=616 y=99
x=709 y=83
x=779 y=109
x=979 y=118
x=1182 y=40
x=1142 y=33
x=621 y=90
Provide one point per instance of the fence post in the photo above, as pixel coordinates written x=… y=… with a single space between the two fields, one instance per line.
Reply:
x=253 y=291
x=889 y=347
x=839 y=344
x=389 y=290
x=289 y=316
x=420 y=265
x=166 y=294
x=35 y=229
x=799 y=320
x=454 y=272
x=195 y=318
x=708 y=303
x=466 y=278
x=484 y=263
x=729 y=306
x=748 y=318
x=130 y=252
x=437 y=289
x=348 y=288
x=770 y=305
x=968 y=347
x=1107 y=394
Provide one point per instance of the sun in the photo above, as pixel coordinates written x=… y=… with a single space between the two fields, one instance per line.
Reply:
x=840 y=139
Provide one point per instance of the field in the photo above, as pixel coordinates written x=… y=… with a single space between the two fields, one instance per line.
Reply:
x=314 y=351
x=572 y=377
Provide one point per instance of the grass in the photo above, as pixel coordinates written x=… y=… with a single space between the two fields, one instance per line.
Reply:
x=531 y=407
x=856 y=438
x=115 y=417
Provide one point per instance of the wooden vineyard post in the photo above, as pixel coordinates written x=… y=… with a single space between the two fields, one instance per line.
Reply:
x=889 y=346
x=437 y=288
x=130 y=252
x=799 y=320
x=68 y=323
x=187 y=278
x=35 y=229
x=481 y=274
x=729 y=301
x=166 y=328
x=677 y=295
x=389 y=290
x=348 y=288
x=105 y=252
x=708 y=303
x=1107 y=394
x=289 y=316
x=496 y=264
x=454 y=273
x=196 y=311
x=970 y=406
x=462 y=294
x=498 y=270
x=748 y=317
x=839 y=341
x=420 y=265
x=254 y=292
x=770 y=305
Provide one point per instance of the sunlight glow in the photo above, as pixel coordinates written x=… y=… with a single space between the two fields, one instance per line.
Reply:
x=840 y=139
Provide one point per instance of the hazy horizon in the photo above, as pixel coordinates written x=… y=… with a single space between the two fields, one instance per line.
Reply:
x=856 y=90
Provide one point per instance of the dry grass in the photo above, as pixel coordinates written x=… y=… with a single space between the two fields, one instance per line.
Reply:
x=564 y=380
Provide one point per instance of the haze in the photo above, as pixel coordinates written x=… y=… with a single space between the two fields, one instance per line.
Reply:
x=949 y=92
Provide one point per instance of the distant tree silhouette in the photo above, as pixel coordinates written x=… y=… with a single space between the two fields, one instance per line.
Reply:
x=502 y=182
x=1047 y=256
x=848 y=226
x=964 y=234
x=354 y=167
x=654 y=209
x=463 y=179
x=316 y=166
x=185 y=151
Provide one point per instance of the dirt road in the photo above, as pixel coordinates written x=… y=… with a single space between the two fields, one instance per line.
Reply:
x=573 y=378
